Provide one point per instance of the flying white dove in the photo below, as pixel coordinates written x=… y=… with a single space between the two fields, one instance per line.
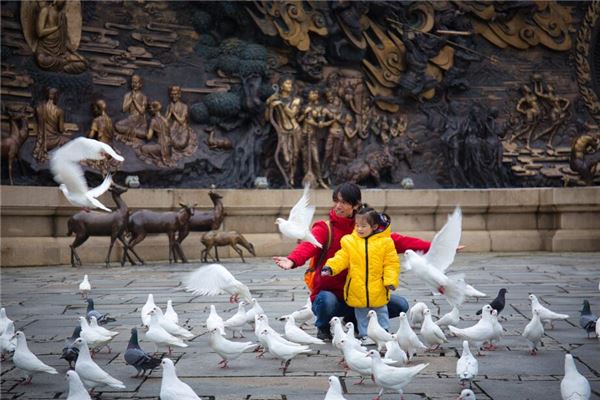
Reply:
x=431 y=333
x=25 y=360
x=482 y=331
x=303 y=315
x=159 y=336
x=66 y=168
x=394 y=355
x=335 y=389
x=149 y=306
x=8 y=341
x=89 y=372
x=170 y=313
x=227 y=349
x=467 y=366
x=215 y=279
x=237 y=321
x=93 y=338
x=574 y=386
x=391 y=378
x=297 y=335
x=545 y=314
x=76 y=389
x=407 y=338
x=214 y=321
x=85 y=287
x=172 y=327
x=171 y=387
x=415 y=314
x=450 y=318
x=466 y=394
x=283 y=351
x=432 y=266
x=297 y=225
x=255 y=310
x=533 y=332
x=376 y=332
x=4 y=320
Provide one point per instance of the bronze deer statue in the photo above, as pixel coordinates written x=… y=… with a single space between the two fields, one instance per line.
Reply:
x=204 y=221
x=11 y=144
x=232 y=238
x=144 y=222
x=85 y=224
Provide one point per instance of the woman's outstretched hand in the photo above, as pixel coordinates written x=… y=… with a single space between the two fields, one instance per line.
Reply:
x=283 y=262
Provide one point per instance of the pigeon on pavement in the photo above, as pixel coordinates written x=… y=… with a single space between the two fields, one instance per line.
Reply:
x=533 y=332
x=171 y=387
x=172 y=327
x=431 y=333
x=545 y=314
x=146 y=308
x=407 y=338
x=394 y=355
x=574 y=386
x=467 y=366
x=101 y=318
x=297 y=335
x=170 y=313
x=93 y=338
x=298 y=223
x=70 y=352
x=89 y=372
x=255 y=310
x=227 y=349
x=4 y=320
x=415 y=314
x=482 y=331
x=237 y=321
x=85 y=287
x=283 y=351
x=159 y=336
x=450 y=318
x=8 y=341
x=215 y=279
x=76 y=389
x=498 y=303
x=335 y=389
x=376 y=332
x=101 y=330
x=587 y=319
x=214 y=321
x=466 y=394
x=303 y=315
x=25 y=360
x=138 y=358
x=391 y=378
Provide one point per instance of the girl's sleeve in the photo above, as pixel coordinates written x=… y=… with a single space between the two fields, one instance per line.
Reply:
x=340 y=261
x=391 y=265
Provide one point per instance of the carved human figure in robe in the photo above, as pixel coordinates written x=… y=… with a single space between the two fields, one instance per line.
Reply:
x=135 y=104
x=183 y=138
x=334 y=119
x=309 y=118
x=102 y=125
x=50 y=126
x=158 y=150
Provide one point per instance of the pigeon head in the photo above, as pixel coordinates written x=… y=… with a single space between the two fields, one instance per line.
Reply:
x=502 y=292
x=487 y=309
x=466 y=345
x=536 y=313
x=151 y=298
x=494 y=312
x=334 y=383
x=71 y=375
x=79 y=343
x=349 y=325
x=532 y=298
x=373 y=354
x=334 y=320
x=371 y=314
x=586 y=308
x=466 y=394
x=90 y=303
x=402 y=315
x=167 y=363
x=264 y=332
x=20 y=337
x=2 y=312
x=426 y=312
x=279 y=221
x=394 y=336
x=261 y=317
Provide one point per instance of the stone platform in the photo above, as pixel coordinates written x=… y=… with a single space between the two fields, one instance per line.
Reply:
x=44 y=304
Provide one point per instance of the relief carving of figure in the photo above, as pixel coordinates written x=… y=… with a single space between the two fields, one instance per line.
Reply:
x=585 y=157
x=53 y=29
x=50 y=126
x=183 y=139
x=334 y=119
x=282 y=110
x=559 y=112
x=102 y=126
x=135 y=104
x=158 y=150
x=310 y=117
x=529 y=107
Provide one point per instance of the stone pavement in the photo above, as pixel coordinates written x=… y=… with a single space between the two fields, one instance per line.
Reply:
x=44 y=304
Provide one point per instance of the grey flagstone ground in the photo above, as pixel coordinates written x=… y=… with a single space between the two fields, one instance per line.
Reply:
x=44 y=304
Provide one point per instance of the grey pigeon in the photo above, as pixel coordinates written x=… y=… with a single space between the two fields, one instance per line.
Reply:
x=71 y=352
x=498 y=303
x=587 y=320
x=101 y=318
x=137 y=357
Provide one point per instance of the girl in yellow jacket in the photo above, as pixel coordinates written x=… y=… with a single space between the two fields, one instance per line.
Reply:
x=373 y=267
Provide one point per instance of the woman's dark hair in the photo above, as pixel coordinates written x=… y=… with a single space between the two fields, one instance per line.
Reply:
x=350 y=193
x=373 y=217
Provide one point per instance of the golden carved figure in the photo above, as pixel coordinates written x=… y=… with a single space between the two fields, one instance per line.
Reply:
x=528 y=105
x=53 y=30
x=309 y=118
x=282 y=110
x=134 y=103
x=559 y=112
x=334 y=119
x=159 y=148
x=183 y=138
x=585 y=157
x=50 y=126
x=102 y=125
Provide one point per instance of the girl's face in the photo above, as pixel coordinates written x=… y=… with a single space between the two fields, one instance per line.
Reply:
x=342 y=208
x=363 y=228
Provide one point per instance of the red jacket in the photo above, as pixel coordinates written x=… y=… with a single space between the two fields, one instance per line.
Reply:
x=339 y=227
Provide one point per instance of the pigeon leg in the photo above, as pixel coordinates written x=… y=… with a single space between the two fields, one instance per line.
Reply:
x=109 y=349
x=287 y=364
x=442 y=290
x=362 y=379
x=223 y=364
x=28 y=380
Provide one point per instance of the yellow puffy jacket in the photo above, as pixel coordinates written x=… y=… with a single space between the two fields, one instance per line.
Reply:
x=373 y=264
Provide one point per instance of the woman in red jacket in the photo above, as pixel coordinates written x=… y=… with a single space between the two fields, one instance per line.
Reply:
x=327 y=294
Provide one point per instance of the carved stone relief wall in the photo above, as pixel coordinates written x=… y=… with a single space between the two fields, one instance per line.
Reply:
x=383 y=93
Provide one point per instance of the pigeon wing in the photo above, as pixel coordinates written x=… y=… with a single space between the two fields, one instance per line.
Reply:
x=443 y=246
x=302 y=213
x=100 y=189
x=214 y=279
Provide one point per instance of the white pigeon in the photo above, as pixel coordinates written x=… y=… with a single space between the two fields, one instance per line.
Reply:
x=227 y=349
x=297 y=225
x=89 y=372
x=100 y=329
x=470 y=291
x=171 y=387
x=85 y=287
x=261 y=323
x=415 y=314
x=8 y=341
x=283 y=351
x=376 y=332
x=407 y=338
x=394 y=355
x=159 y=336
x=147 y=308
x=545 y=314
x=66 y=168
x=356 y=360
x=76 y=389
x=255 y=310
x=392 y=378
x=237 y=321
x=171 y=326
x=25 y=360
x=533 y=332
x=297 y=335
x=303 y=315
x=598 y=330
x=170 y=313
x=337 y=329
x=215 y=279
x=352 y=339
x=4 y=320
x=431 y=333
x=450 y=318
x=93 y=338
x=335 y=389
x=574 y=386
x=466 y=394
x=467 y=366
x=432 y=266
x=498 y=330
x=214 y=321
x=482 y=331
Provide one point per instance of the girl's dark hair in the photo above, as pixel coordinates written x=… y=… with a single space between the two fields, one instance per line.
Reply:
x=350 y=193
x=373 y=217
